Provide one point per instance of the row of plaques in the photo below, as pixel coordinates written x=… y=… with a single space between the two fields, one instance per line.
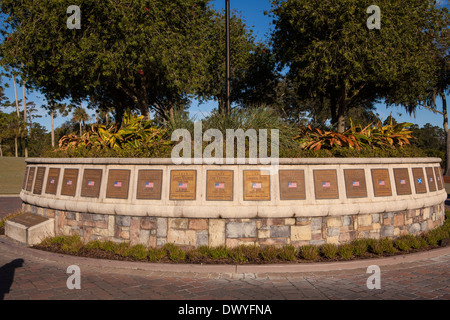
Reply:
x=220 y=183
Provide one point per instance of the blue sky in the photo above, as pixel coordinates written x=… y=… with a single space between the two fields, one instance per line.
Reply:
x=253 y=13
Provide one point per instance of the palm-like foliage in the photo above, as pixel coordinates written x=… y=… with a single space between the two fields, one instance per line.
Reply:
x=135 y=132
x=356 y=137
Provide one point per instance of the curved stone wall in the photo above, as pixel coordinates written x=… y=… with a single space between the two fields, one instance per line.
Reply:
x=306 y=201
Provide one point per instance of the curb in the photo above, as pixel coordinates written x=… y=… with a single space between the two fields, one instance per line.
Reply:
x=238 y=269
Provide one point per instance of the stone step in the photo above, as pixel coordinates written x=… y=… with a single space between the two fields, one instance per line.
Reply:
x=29 y=229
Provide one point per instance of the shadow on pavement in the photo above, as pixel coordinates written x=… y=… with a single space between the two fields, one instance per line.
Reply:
x=7 y=276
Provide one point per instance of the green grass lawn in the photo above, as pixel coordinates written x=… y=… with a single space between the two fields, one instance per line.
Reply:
x=11 y=174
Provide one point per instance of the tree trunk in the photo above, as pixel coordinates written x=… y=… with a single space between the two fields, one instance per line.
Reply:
x=171 y=116
x=1 y=151
x=16 y=146
x=15 y=93
x=342 y=110
x=80 y=128
x=447 y=131
x=52 y=126
x=25 y=119
x=16 y=151
x=341 y=123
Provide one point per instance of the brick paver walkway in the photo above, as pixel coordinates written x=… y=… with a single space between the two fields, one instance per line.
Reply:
x=23 y=275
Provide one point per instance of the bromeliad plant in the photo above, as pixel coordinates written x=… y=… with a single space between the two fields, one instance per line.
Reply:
x=357 y=137
x=134 y=133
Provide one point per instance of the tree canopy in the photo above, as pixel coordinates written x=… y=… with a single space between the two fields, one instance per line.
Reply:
x=331 y=54
x=145 y=55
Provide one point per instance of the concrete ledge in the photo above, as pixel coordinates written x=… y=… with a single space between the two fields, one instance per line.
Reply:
x=246 y=161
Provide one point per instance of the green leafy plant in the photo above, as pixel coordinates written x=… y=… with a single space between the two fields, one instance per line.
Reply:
x=138 y=251
x=376 y=247
x=402 y=244
x=388 y=246
x=329 y=250
x=346 y=251
x=134 y=135
x=220 y=252
x=122 y=249
x=174 y=253
x=360 y=246
x=356 y=137
x=288 y=253
x=156 y=254
x=309 y=252
x=269 y=253
x=237 y=254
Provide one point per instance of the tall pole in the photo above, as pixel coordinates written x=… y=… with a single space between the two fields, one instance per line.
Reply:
x=228 y=89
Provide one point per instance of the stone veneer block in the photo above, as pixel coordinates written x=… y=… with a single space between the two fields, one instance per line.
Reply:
x=241 y=230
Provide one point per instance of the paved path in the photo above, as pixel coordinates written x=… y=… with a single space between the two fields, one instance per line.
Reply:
x=31 y=274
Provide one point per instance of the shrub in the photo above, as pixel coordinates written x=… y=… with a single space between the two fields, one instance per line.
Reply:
x=220 y=252
x=346 y=251
x=388 y=246
x=138 y=251
x=156 y=254
x=329 y=250
x=95 y=244
x=402 y=244
x=309 y=252
x=432 y=238
x=238 y=254
x=376 y=247
x=269 y=253
x=69 y=244
x=194 y=255
x=203 y=251
x=288 y=253
x=251 y=252
x=174 y=253
x=108 y=246
x=360 y=246
x=122 y=248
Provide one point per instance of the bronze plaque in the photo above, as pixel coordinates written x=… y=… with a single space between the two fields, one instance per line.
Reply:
x=402 y=183
x=39 y=180
x=149 y=184
x=439 y=178
x=183 y=184
x=69 y=182
x=292 y=184
x=30 y=178
x=419 y=180
x=118 y=184
x=355 y=183
x=25 y=177
x=381 y=183
x=90 y=186
x=52 y=180
x=430 y=179
x=219 y=185
x=325 y=184
x=28 y=219
x=256 y=185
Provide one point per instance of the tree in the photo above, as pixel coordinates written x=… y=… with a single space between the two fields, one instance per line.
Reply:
x=331 y=54
x=145 y=55
x=80 y=116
